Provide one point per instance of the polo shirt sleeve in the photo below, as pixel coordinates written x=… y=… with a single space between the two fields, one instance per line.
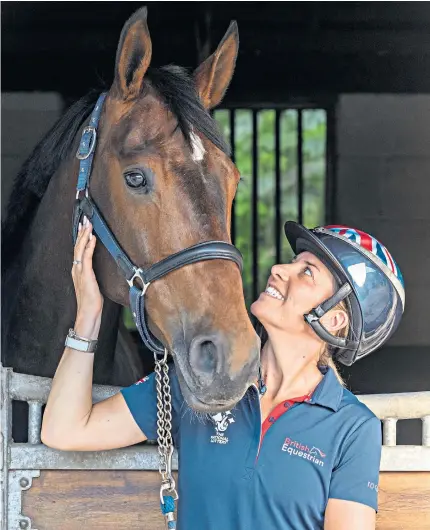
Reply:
x=356 y=475
x=141 y=399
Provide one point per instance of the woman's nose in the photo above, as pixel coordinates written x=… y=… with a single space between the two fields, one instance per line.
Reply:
x=280 y=271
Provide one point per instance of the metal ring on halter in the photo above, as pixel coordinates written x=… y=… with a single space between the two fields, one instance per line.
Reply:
x=164 y=359
x=78 y=192
x=76 y=261
x=138 y=274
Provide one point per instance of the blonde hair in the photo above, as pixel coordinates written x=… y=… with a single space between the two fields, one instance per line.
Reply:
x=326 y=357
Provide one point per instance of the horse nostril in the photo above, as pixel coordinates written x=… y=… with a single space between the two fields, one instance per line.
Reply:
x=204 y=356
x=207 y=359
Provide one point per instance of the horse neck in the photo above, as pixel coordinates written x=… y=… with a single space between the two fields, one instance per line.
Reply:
x=38 y=296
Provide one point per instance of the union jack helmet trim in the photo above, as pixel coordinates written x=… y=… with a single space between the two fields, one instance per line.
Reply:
x=372 y=249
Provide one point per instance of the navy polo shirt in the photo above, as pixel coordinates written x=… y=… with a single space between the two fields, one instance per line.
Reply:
x=237 y=474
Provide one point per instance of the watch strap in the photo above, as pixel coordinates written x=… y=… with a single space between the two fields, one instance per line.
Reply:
x=80 y=344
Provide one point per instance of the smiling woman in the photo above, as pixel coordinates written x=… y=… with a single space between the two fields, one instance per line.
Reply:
x=297 y=428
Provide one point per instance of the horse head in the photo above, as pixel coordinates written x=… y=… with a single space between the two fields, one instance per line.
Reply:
x=164 y=181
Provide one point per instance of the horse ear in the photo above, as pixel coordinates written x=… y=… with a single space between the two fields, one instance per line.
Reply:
x=133 y=55
x=213 y=76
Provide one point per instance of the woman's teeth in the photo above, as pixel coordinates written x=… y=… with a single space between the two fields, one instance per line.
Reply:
x=271 y=291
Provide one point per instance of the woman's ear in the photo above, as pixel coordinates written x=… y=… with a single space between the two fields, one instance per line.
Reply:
x=335 y=320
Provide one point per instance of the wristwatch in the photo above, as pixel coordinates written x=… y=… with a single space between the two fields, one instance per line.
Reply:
x=80 y=343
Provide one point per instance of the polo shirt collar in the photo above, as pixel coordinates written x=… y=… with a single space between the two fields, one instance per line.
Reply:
x=329 y=391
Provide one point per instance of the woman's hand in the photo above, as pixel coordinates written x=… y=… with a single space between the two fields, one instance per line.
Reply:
x=88 y=296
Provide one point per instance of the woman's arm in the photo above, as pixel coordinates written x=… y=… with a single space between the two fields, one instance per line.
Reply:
x=348 y=515
x=70 y=421
x=353 y=493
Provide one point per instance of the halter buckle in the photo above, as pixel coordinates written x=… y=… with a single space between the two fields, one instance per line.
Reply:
x=138 y=274
x=91 y=144
x=78 y=193
x=161 y=358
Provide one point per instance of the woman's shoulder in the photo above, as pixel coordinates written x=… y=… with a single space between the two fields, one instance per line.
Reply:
x=352 y=405
x=361 y=428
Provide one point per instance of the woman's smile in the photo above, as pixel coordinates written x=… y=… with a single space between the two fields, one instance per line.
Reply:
x=274 y=293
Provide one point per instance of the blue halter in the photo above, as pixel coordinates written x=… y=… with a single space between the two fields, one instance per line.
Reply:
x=137 y=278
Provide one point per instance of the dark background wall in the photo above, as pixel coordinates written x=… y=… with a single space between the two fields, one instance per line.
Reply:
x=371 y=60
x=287 y=48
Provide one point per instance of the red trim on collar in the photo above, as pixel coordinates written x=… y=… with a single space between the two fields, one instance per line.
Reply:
x=280 y=409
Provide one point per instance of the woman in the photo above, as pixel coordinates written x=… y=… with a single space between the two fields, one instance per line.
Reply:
x=299 y=451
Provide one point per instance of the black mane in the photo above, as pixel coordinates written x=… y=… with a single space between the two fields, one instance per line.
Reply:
x=174 y=86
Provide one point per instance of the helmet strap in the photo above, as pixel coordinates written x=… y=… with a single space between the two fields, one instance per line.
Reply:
x=314 y=316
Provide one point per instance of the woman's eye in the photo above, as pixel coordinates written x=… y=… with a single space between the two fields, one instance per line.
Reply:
x=135 y=179
x=308 y=272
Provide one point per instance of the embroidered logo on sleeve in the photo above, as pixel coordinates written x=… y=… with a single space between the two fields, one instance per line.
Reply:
x=313 y=454
x=221 y=420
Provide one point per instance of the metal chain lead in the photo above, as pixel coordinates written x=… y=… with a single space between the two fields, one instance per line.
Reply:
x=164 y=436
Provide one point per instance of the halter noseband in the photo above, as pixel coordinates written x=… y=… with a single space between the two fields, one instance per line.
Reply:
x=137 y=278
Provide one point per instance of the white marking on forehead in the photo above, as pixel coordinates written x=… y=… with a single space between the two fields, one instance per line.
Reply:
x=197 y=147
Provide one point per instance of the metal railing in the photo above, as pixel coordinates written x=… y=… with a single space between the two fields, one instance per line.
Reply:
x=285 y=155
x=21 y=462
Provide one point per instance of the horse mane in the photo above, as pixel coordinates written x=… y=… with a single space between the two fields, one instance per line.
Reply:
x=175 y=87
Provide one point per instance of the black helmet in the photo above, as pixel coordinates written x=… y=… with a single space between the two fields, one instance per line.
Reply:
x=369 y=281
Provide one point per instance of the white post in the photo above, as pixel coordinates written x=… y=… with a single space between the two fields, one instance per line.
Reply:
x=426 y=431
x=389 y=431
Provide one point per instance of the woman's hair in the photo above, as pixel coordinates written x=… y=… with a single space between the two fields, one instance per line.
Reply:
x=326 y=357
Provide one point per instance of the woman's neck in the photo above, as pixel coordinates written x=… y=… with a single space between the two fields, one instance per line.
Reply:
x=289 y=367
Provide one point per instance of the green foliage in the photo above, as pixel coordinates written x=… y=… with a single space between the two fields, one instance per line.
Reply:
x=314 y=139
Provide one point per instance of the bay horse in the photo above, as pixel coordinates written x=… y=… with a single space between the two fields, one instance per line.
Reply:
x=163 y=180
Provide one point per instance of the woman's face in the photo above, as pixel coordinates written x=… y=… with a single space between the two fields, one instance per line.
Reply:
x=293 y=290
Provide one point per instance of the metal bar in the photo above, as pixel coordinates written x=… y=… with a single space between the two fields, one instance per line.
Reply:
x=389 y=431
x=330 y=156
x=34 y=421
x=19 y=481
x=24 y=387
x=290 y=103
x=26 y=456
x=5 y=440
x=254 y=204
x=405 y=458
x=300 y=165
x=232 y=118
x=403 y=406
x=426 y=431
x=278 y=185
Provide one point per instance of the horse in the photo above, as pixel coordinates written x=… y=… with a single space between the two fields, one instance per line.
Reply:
x=164 y=181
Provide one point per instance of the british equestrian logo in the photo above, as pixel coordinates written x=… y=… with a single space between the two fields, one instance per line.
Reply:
x=222 y=420
x=294 y=448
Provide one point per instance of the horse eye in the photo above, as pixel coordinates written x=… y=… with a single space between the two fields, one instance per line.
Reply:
x=135 y=179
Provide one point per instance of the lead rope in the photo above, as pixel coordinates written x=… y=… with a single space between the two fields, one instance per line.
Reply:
x=168 y=493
